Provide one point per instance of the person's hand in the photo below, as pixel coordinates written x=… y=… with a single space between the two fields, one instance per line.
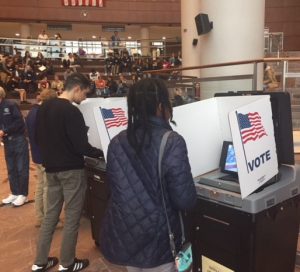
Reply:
x=2 y=134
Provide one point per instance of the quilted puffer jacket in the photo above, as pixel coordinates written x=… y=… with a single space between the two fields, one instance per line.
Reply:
x=134 y=229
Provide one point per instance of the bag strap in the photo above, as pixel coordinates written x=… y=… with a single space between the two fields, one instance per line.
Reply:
x=171 y=235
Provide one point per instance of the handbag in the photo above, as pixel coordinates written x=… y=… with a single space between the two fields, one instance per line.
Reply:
x=184 y=258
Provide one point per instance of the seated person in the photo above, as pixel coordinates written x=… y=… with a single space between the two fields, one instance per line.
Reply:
x=11 y=68
x=72 y=61
x=178 y=97
x=81 y=52
x=93 y=75
x=17 y=58
x=138 y=67
x=57 y=85
x=39 y=60
x=29 y=80
x=43 y=83
x=68 y=72
x=172 y=60
x=270 y=81
x=15 y=89
x=126 y=63
x=123 y=87
x=4 y=72
x=27 y=59
x=75 y=62
x=100 y=85
x=116 y=64
x=166 y=64
x=112 y=86
x=109 y=61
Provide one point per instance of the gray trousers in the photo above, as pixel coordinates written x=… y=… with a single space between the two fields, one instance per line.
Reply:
x=169 y=267
x=67 y=187
x=41 y=188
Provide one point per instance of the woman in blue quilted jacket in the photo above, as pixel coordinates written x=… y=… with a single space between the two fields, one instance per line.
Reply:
x=134 y=230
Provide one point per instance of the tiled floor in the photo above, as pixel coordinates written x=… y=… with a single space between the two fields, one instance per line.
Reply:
x=18 y=235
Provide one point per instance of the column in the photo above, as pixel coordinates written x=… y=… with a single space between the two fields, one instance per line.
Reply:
x=25 y=31
x=145 y=41
x=237 y=34
x=190 y=53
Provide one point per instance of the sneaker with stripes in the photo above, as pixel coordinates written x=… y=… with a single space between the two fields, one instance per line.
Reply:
x=77 y=265
x=52 y=261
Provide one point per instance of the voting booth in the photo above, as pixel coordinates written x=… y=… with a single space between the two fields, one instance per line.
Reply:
x=249 y=223
x=247 y=215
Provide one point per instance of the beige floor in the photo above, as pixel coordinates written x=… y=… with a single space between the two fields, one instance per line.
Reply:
x=18 y=234
x=296 y=136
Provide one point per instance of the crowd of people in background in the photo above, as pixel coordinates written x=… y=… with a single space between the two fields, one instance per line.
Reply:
x=23 y=75
x=60 y=170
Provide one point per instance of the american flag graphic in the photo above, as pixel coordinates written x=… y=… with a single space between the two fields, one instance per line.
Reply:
x=114 y=117
x=251 y=127
x=230 y=164
x=83 y=3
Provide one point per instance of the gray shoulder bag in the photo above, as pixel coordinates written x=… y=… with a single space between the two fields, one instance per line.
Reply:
x=184 y=258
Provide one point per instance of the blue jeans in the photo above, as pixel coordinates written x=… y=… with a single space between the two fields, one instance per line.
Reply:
x=17 y=162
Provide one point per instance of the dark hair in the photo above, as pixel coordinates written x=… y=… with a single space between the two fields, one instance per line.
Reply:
x=76 y=79
x=143 y=100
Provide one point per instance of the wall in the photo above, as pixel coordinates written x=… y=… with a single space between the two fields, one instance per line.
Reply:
x=284 y=16
x=125 y=11
x=280 y=16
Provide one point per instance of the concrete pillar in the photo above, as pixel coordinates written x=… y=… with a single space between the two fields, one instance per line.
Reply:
x=190 y=53
x=25 y=31
x=237 y=34
x=145 y=41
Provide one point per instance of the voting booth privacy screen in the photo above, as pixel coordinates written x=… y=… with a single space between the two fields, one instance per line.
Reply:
x=246 y=121
x=282 y=122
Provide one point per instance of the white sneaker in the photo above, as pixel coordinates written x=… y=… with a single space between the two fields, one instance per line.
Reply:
x=11 y=198
x=20 y=200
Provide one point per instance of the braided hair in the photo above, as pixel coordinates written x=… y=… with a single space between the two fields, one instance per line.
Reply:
x=144 y=99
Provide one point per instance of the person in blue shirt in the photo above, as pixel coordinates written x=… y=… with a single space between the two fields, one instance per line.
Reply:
x=41 y=186
x=115 y=40
x=12 y=133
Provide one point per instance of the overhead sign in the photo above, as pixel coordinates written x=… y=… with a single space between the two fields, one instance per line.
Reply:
x=254 y=143
x=83 y=3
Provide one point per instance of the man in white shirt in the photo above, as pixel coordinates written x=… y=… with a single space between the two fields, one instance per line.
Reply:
x=93 y=75
x=43 y=38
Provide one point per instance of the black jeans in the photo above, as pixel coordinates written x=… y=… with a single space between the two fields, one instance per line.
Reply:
x=17 y=161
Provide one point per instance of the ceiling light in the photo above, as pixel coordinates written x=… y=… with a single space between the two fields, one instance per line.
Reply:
x=84 y=13
x=17 y=34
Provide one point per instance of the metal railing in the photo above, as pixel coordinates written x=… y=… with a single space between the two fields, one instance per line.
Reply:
x=285 y=68
x=284 y=62
x=187 y=82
